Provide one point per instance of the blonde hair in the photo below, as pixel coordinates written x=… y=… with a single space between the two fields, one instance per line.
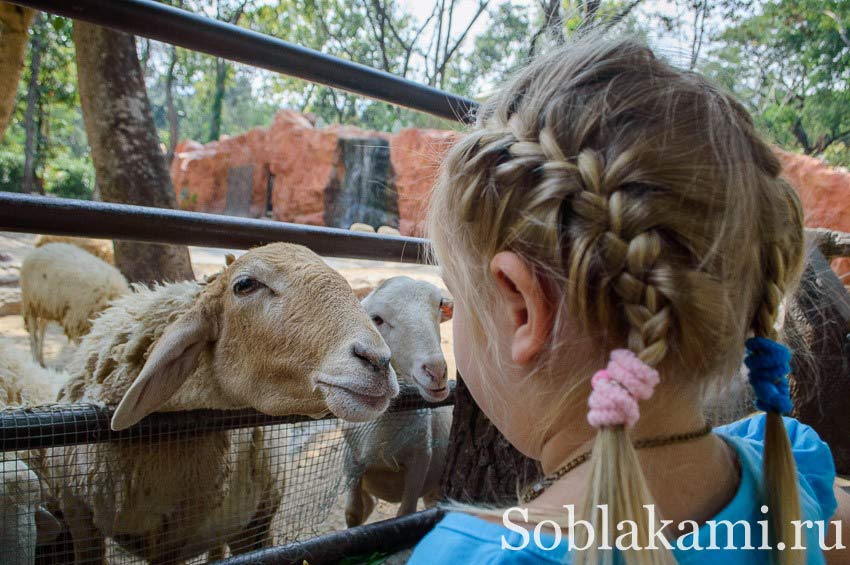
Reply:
x=645 y=193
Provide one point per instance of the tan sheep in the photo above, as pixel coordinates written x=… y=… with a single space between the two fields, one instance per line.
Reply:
x=24 y=521
x=100 y=248
x=279 y=331
x=63 y=283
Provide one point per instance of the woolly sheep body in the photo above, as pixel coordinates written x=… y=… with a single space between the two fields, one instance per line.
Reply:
x=400 y=457
x=63 y=283
x=22 y=487
x=100 y=248
x=163 y=500
x=139 y=483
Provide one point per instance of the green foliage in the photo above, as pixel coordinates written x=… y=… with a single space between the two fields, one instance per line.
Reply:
x=11 y=171
x=70 y=178
x=790 y=61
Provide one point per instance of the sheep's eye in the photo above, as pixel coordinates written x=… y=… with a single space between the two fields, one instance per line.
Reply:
x=377 y=320
x=245 y=285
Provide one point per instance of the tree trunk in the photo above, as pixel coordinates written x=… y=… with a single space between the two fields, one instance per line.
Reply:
x=128 y=161
x=14 y=23
x=221 y=68
x=481 y=466
x=33 y=103
x=817 y=323
x=173 y=118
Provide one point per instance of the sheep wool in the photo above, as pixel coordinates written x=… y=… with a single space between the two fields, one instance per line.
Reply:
x=63 y=283
x=23 y=489
x=100 y=248
x=165 y=499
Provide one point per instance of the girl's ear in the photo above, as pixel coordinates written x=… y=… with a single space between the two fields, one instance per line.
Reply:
x=171 y=361
x=530 y=312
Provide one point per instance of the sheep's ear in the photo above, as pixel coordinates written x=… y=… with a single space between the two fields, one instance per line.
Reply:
x=229 y=259
x=447 y=309
x=363 y=292
x=171 y=361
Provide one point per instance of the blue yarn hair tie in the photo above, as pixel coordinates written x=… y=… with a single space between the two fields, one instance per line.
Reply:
x=769 y=363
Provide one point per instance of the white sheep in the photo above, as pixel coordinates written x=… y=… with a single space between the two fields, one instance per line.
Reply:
x=400 y=457
x=100 y=248
x=278 y=331
x=63 y=283
x=24 y=521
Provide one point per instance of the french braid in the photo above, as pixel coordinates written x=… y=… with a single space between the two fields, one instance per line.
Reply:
x=633 y=187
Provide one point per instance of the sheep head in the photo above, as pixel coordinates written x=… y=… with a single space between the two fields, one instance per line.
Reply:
x=283 y=333
x=408 y=314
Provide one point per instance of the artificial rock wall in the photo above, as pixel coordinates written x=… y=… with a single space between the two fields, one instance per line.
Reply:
x=295 y=172
x=337 y=175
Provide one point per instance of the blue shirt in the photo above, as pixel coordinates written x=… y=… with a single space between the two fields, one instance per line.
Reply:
x=462 y=538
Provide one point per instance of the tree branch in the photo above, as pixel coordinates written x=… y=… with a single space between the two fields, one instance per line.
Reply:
x=842 y=31
x=831 y=243
x=551 y=21
x=621 y=15
x=379 y=31
x=800 y=135
x=482 y=5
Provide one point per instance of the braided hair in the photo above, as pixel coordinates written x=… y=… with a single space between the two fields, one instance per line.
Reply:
x=645 y=194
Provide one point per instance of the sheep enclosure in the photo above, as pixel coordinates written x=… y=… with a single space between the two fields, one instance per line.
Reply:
x=307 y=456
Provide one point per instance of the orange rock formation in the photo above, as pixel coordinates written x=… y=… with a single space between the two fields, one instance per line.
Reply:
x=301 y=159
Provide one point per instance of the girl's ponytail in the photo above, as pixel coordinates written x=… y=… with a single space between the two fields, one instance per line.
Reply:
x=617 y=481
x=634 y=263
x=769 y=365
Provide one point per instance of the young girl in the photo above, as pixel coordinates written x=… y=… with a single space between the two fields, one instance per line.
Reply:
x=618 y=239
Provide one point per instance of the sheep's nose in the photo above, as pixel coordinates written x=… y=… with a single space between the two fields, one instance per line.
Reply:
x=371 y=356
x=436 y=369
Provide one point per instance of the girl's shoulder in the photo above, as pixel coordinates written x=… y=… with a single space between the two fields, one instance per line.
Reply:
x=815 y=466
x=462 y=538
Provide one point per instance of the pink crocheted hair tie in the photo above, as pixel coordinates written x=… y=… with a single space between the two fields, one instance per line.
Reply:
x=618 y=388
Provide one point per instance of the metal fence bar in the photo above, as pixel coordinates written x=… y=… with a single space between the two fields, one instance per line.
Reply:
x=60 y=216
x=386 y=536
x=153 y=20
x=75 y=424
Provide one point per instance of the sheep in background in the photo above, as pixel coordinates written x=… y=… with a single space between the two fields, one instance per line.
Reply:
x=64 y=283
x=401 y=456
x=100 y=248
x=277 y=330
x=24 y=521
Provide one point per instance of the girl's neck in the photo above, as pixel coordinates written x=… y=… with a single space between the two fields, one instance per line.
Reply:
x=691 y=480
x=665 y=414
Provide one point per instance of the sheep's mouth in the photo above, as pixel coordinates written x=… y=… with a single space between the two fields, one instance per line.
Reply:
x=354 y=403
x=432 y=394
x=373 y=401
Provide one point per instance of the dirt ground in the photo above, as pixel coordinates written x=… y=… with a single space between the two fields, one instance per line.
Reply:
x=205 y=261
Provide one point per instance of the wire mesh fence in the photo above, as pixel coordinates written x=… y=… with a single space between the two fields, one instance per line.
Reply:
x=183 y=487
